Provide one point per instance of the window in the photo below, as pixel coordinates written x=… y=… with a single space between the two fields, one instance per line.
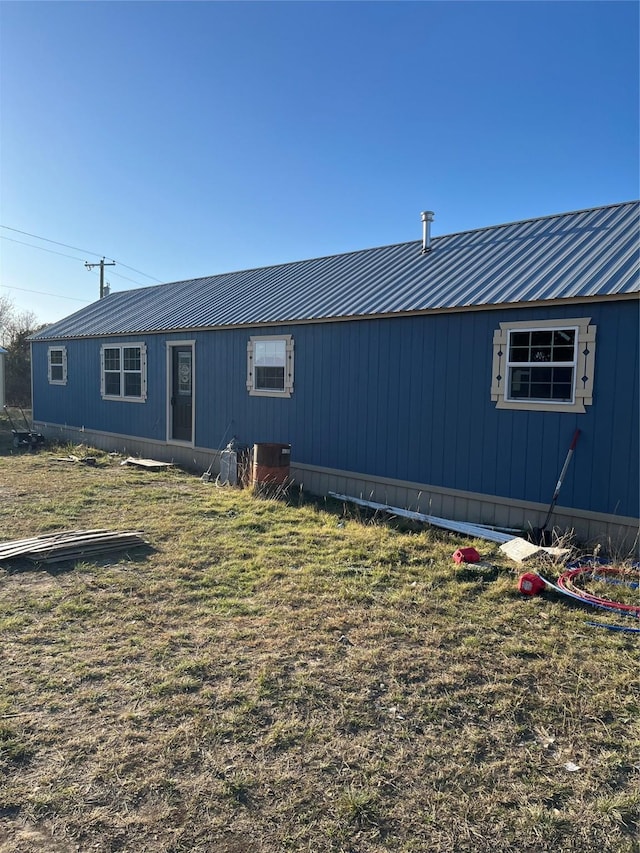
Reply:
x=57 y=365
x=270 y=366
x=124 y=372
x=544 y=365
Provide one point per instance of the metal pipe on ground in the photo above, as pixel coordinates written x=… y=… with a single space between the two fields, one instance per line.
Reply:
x=474 y=531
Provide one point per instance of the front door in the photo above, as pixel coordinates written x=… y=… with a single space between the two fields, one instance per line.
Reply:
x=182 y=393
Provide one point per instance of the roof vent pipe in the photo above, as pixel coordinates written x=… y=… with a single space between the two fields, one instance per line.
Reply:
x=427 y=219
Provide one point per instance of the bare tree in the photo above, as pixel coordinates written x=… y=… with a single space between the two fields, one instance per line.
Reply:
x=15 y=330
x=23 y=323
x=6 y=317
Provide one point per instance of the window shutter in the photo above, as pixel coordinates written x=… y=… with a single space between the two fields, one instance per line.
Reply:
x=102 y=385
x=250 y=366
x=585 y=364
x=143 y=371
x=288 y=373
x=499 y=361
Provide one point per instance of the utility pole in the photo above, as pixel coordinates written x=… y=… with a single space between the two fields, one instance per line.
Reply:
x=102 y=265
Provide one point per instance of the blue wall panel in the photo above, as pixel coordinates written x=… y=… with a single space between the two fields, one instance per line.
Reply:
x=79 y=402
x=405 y=398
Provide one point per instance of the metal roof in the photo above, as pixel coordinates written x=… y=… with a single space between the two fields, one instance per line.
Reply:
x=583 y=254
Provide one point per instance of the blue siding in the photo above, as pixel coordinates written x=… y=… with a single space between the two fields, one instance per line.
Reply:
x=406 y=398
x=79 y=403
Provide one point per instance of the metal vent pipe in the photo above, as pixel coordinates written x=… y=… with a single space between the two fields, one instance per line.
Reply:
x=427 y=219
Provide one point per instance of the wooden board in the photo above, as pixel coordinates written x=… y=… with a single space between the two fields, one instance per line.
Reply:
x=521 y=550
x=146 y=463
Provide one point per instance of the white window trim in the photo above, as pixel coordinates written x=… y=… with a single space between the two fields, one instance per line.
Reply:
x=288 y=370
x=143 y=372
x=583 y=366
x=62 y=381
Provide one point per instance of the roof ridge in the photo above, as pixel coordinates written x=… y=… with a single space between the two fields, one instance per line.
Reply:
x=434 y=239
x=537 y=218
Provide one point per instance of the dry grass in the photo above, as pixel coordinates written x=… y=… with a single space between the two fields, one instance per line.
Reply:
x=273 y=677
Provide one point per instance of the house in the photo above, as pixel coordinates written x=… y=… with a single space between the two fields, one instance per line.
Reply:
x=445 y=374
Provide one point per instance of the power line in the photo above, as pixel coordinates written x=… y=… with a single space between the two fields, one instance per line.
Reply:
x=75 y=248
x=44 y=293
x=133 y=269
x=41 y=248
x=126 y=278
x=47 y=240
x=73 y=257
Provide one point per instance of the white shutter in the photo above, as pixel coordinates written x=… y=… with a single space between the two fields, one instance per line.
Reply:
x=250 y=365
x=585 y=364
x=102 y=387
x=499 y=368
x=143 y=371
x=288 y=373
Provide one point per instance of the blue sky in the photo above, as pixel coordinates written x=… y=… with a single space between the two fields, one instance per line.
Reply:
x=189 y=138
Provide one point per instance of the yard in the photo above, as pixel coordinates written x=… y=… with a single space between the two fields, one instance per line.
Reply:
x=272 y=675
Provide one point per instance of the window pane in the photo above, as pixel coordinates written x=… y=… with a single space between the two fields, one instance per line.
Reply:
x=55 y=356
x=542 y=374
x=112 y=359
x=520 y=381
x=541 y=383
x=541 y=354
x=540 y=390
x=564 y=337
x=112 y=384
x=132 y=385
x=520 y=339
x=563 y=374
x=270 y=378
x=184 y=373
x=541 y=338
x=563 y=354
x=270 y=353
x=561 y=391
x=131 y=358
x=562 y=383
x=56 y=373
x=519 y=354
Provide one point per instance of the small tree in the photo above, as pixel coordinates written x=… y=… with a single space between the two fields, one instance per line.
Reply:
x=16 y=330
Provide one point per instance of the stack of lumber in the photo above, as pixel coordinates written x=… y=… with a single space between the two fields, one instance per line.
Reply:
x=69 y=545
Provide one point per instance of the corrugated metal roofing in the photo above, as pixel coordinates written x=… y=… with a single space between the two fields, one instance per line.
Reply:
x=584 y=254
